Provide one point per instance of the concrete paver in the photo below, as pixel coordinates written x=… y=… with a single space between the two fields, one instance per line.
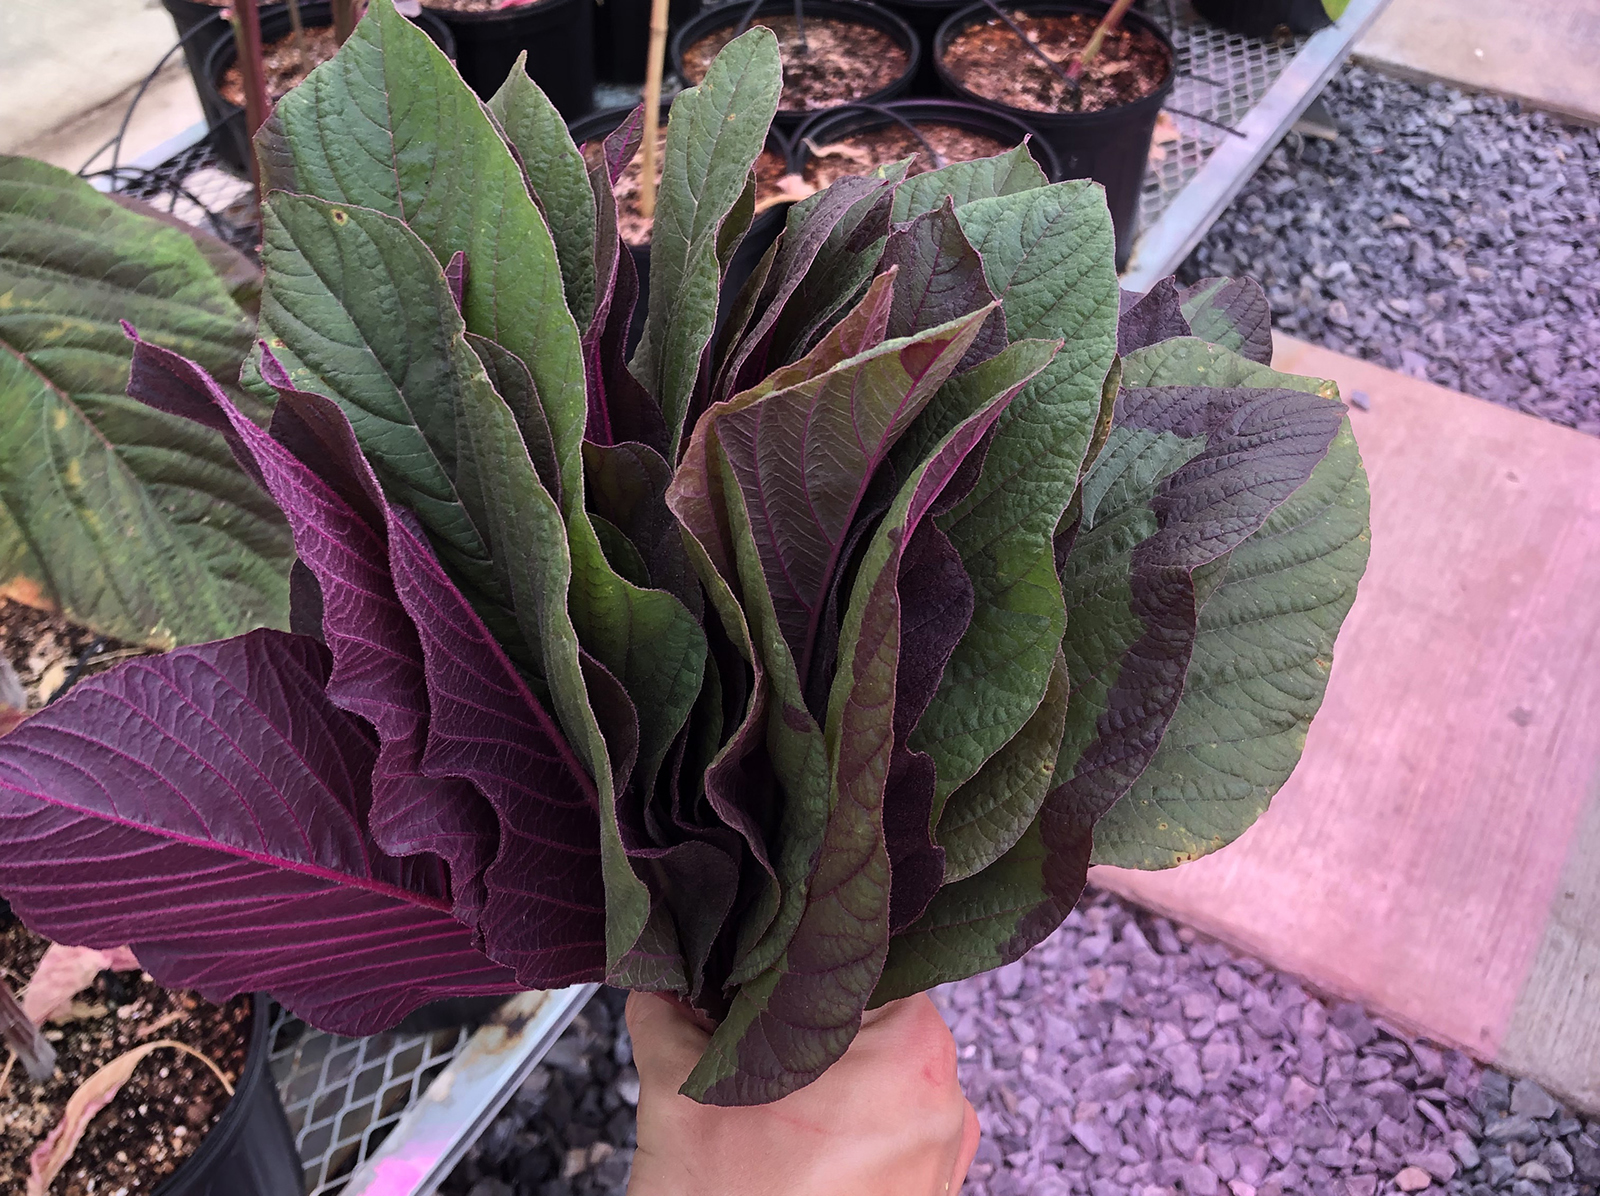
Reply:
x=1541 y=51
x=1437 y=853
x=62 y=58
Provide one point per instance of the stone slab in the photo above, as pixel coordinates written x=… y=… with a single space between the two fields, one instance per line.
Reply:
x=1437 y=853
x=1543 y=52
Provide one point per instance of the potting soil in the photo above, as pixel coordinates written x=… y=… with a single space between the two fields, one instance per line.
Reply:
x=635 y=229
x=161 y=1115
x=989 y=60
x=842 y=61
x=859 y=153
x=287 y=62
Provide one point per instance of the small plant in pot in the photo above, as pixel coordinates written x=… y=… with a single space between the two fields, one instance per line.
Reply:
x=663 y=669
x=833 y=52
x=859 y=139
x=1090 y=77
x=295 y=41
x=114 y=1083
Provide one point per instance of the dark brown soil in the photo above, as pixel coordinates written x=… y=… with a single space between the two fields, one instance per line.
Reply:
x=635 y=229
x=160 y=1116
x=859 y=153
x=989 y=60
x=476 y=5
x=43 y=648
x=844 y=60
x=287 y=65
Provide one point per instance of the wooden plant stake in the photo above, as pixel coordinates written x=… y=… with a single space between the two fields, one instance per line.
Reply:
x=654 y=62
x=297 y=33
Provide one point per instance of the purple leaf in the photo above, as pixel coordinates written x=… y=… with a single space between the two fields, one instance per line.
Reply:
x=810 y=224
x=1151 y=318
x=316 y=474
x=804 y=455
x=941 y=277
x=787 y=1025
x=207 y=807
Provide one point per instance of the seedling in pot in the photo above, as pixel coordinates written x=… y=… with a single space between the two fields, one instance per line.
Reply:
x=1071 y=75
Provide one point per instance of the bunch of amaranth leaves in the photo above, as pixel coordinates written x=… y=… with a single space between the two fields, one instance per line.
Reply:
x=801 y=662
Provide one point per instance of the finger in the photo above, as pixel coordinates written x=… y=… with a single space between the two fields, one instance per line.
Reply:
x=666 y=1042
x=971 y=1134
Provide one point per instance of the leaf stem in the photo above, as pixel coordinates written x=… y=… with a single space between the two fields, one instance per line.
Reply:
x=1090 y=52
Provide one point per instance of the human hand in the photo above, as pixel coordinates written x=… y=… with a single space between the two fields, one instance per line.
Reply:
x=888 y=1119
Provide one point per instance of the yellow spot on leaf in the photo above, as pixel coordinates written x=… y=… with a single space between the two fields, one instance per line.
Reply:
x=59 y=419
x=75 y=474
x=340 y=216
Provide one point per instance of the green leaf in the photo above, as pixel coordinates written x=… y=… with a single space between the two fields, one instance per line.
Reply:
x=355 y=307
x=557 y=177
x=1189 y=361
x=984 y=818
x=1232 y=313
x=714 y=136
x=1257 y=675
x=389 y=125
x=1335 y=8
x=790 y=1023
x=1048 y=254
x=1014 y=171
x=134 y=523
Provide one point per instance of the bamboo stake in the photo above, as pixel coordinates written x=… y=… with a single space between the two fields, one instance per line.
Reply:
x=297 y=33
x=655 y=59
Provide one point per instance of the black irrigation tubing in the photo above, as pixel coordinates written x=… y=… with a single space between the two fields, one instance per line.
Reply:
x=937 y=158
x=1022 y=36
x=1205 y=120
x=799 y=20
x=127 y=117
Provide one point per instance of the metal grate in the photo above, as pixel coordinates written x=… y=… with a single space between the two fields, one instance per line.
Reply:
x=344 y=1095
x=1221 y=76
x=197 y=188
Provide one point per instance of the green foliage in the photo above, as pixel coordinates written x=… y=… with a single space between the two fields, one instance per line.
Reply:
x=134 y=523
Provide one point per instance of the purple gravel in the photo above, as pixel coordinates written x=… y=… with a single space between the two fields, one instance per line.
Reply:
x=1449 y=236
x=1124 y=1057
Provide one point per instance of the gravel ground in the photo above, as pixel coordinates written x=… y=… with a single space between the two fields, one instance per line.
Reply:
x=1452 y=237
x=1124 y=1057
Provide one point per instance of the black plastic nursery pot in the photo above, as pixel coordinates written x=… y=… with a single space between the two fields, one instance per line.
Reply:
x=558 y=36
x=1264 y=18
x=1111 y=146
x=622 y=35
x=836 y=124
x=728 y=16
x=200 y=26
x=250 y=1151
x=764 y=229
x=230 y=137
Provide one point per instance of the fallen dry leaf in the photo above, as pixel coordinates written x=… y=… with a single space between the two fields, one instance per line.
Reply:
x=791 y=188
x=64 y=972
x=94 y=1094
x=859 y=154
